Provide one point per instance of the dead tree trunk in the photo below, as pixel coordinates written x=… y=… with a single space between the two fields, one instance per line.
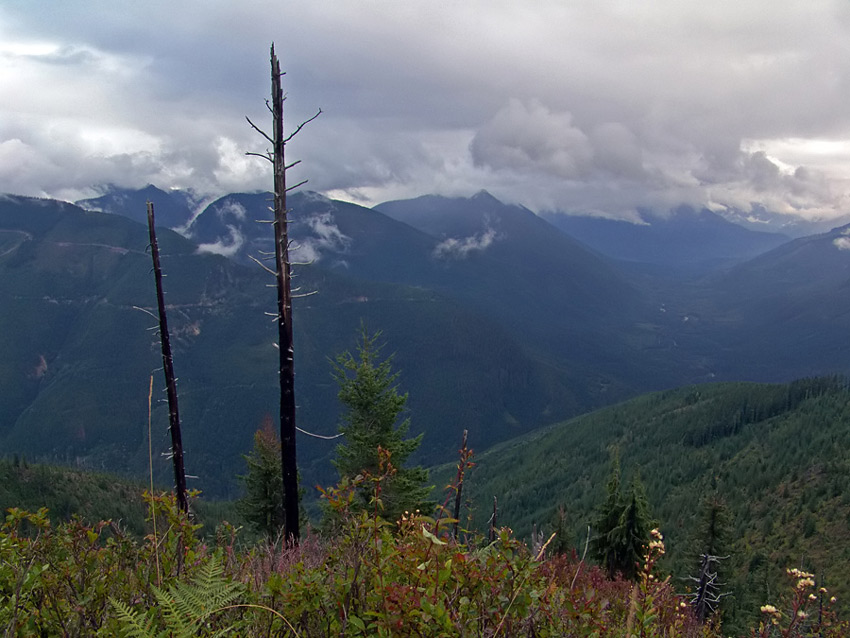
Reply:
x=170 y=380
x=462 y=464
x=283 y=277
x=493 y=523
x=284 y=315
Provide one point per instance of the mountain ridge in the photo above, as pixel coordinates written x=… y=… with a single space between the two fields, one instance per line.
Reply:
x=500 y=339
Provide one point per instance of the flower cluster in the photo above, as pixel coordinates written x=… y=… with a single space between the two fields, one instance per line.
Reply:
x=804 y=579
x=656 y=545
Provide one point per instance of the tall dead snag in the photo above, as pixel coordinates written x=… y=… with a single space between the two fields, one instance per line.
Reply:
x=493 y=524
x=168 y=367
x=462 y=465
x=283 y=276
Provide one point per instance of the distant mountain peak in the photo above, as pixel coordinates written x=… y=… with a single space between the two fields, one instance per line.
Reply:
x=313 y=196
x=484 y=195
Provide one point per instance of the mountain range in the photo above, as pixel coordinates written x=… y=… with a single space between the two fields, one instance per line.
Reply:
x=500 y=322
x=686 y=241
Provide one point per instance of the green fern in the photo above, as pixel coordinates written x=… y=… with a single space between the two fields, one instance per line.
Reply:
x=135 y=624
x=183 y=607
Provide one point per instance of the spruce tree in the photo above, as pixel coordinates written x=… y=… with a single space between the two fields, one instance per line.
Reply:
x=262 y=505
x=631 y=536
x=373 y=406
x=563 y=543
x=607 y=519
x=623 y=527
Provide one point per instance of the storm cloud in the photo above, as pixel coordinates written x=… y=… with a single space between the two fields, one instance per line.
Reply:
x=587 y=106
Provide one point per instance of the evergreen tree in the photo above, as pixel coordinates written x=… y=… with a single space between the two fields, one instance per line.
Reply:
x=607 y=519
x=631 y=536
x=372 y=408
x=262 y=505
x=563 y=543
x=623 y=527
x=715 y=526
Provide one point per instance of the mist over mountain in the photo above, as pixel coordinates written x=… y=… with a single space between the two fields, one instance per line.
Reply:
x=500 y=322
x=78 y=352
x=173 y=208
x=685 y=241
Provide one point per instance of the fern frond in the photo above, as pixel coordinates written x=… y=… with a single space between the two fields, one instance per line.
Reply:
x=210 y=589
x=177 y=614
x=135 y=624
x=184 y=606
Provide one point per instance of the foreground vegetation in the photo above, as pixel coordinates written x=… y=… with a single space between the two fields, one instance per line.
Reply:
x=749 y=473
x=365 y=577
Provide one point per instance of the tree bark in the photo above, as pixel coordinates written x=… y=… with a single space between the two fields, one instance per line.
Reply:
x=284 y=312
x=170 y=380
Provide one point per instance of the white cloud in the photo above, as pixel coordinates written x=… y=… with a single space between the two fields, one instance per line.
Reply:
x=452 y=248
x=225 y=247
x=843 y=242
x=326 y=237
x=530 y=138
x=231 y=208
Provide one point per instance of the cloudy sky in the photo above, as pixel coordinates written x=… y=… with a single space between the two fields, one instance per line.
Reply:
x=590 y=106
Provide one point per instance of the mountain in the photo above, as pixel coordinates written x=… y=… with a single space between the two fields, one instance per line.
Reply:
x=517 y=248
x=773 y=453
x=173 y=209
x=77 y=352
x=566 y=305
x=574 y=305
x=787 y=309
x=500 y=323
x=333 y=235
x=761 y=219
x=687 y=241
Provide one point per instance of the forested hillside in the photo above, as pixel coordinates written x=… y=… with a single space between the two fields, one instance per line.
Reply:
x=774 y=454
x=70 y=493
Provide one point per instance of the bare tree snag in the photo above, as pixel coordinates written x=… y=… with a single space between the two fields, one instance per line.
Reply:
x=462 y=466
x=493 y=524
x=283 y=278
x=170 y=380
x=284 y=315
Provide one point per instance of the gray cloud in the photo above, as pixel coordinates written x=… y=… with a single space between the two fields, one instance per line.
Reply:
x=580 y=106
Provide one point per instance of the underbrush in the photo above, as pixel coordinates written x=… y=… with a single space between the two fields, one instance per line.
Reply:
x=364 y=577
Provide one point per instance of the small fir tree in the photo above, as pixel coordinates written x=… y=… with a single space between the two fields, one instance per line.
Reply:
x=623 y=527
x=262 y=505
x=372 y=408
x=632 y=534
x=563 y=543
x=607 y=519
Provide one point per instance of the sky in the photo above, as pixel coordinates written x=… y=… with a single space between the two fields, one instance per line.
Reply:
x=584 y=106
